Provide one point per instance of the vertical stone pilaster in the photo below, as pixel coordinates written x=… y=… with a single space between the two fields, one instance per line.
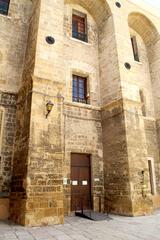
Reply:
x=116 y=167
x=137 y=159
x=37 y=182
x=44 y=179
x=18 y=194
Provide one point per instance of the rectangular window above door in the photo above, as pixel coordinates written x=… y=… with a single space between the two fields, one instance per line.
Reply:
x=4 y=6
x=79 y=27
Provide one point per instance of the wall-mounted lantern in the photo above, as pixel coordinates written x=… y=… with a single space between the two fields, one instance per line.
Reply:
x=49 y=106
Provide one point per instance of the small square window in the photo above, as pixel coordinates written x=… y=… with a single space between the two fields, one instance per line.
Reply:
x=79 y=23
x=79 y=89
x=4 y=6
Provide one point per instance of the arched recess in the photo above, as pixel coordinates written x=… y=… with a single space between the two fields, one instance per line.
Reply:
x=107 y=48
x=148 y=32
x=143 y=26
x=99 y=9
x=151 y=37
x=101 y=55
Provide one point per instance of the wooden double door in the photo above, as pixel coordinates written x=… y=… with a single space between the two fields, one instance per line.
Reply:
x=80 y=182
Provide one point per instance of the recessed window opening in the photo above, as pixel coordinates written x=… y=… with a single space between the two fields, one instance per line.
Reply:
x=79 y=26
x=79 y=89
x=152 y=177
x=4 y=6
x=135 y=48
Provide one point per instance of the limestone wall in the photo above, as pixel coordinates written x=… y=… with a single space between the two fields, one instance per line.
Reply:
x=83 y=134
x=81 y=58
x=21 y=146
x=8 y=123
x=116 y=127
x=116 y=167
x=13 y=39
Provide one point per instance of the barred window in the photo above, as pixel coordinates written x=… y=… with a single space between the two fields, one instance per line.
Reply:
x=79 y=27
x=79 y=89
x=4 y=6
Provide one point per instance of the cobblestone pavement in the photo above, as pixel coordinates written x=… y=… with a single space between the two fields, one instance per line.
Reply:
x=122 y=228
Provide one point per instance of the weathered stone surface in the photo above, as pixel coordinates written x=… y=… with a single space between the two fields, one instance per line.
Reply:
x=119 y=127
x=8 y=123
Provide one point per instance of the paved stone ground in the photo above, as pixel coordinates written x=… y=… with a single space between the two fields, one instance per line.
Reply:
x=122 y=228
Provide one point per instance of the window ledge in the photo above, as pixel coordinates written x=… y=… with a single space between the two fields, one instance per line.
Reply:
x=139 y=63
x=82 y=105
x=5 y=16
x=77 y=40
x=149 y=118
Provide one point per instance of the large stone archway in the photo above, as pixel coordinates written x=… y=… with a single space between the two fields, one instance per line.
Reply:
x=143 y=26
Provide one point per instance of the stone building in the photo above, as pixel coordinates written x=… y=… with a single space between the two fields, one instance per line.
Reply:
x=79 y=109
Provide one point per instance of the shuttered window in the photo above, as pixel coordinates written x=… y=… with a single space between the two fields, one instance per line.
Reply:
x=135 y=48
x=79 y=27
x=79 y=89
x=4 y=6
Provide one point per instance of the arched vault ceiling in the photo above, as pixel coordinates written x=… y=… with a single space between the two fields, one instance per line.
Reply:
x=143 y=26
x=99 y=9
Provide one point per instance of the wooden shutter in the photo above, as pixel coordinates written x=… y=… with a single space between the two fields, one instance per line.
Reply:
x=79 y=27
x=79 y=89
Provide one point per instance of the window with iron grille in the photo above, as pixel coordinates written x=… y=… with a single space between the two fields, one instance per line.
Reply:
x=79 y=89
x=79 y=27
x=135 y=48
x=4 y=6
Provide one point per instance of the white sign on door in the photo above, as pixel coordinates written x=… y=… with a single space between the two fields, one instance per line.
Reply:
x=84 y=183
x=74 y=183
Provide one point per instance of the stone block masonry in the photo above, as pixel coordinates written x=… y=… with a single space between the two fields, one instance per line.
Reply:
x=8 y=123
x=115 y=123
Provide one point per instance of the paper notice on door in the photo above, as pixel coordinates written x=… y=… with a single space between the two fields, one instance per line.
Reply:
x=74 y=183
x=84 y=183
x=64 y=181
